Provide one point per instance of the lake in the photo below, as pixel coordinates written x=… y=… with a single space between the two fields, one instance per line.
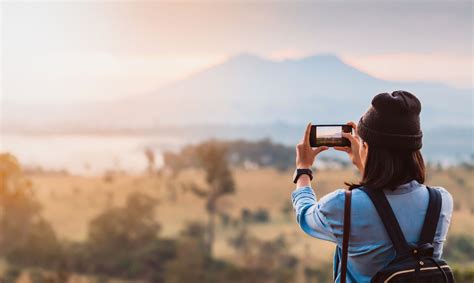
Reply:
x=87 y=154
x=94 y=154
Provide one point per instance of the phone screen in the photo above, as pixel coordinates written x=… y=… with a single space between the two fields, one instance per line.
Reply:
x=329 y=135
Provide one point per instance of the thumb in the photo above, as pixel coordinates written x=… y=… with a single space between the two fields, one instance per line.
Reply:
x=349 y=137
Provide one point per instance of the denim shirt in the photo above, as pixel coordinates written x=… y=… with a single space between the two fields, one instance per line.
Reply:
x=370 y=248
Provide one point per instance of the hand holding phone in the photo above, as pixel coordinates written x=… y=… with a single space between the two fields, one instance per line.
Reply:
x=353 y=148
x=305 y=155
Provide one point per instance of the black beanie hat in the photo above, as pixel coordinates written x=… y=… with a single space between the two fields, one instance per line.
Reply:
x=393 y=121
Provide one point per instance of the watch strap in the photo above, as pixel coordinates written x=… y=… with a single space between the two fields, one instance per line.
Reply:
x=304 y=171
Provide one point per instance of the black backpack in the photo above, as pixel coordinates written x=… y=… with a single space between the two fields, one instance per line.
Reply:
x=413 y=263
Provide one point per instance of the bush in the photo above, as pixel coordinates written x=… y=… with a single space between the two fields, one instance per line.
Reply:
x=264 y=261
x=121 y=238
x=459 y=248
x=322 y=273
x=11 y=274
x=261 y=215
x=463 y=274
x=39 y=247
x=27 y=239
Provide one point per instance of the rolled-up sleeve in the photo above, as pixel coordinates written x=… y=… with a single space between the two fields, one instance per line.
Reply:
x=311 y=215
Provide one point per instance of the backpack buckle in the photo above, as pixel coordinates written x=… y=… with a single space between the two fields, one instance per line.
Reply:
x=423 y=250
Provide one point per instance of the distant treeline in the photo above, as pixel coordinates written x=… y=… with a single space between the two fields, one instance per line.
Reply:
x=247 y=154
x=265 y=154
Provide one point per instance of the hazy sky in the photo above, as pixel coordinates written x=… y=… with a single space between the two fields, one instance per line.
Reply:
x=68 y=52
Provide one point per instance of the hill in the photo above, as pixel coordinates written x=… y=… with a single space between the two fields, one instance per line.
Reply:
x=249 y=90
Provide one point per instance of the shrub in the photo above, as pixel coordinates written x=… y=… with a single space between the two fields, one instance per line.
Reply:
x=26 y=237
x=11 y=274
x=118 y=236
x=261 y=215
x=463 y=274
x=459 y=248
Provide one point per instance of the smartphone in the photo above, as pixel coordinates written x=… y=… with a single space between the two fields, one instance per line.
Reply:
x=329 y=135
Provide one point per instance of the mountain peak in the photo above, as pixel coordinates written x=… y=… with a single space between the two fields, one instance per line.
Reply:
x=246 y=58
x=245 y=55
x=323 y=58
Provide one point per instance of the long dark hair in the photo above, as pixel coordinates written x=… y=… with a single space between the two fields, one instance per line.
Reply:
x=388 y=169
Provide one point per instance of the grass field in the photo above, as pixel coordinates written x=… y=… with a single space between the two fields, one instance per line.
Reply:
x=70 y=202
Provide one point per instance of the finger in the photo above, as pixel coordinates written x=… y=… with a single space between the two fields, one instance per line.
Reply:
x=306 y=134
x=349 y=137
x=354 y=126
x=343 y=148
x=319 y=149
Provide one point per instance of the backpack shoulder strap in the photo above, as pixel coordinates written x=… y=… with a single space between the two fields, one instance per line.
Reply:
x=346 y=233
x=388 y=219
x=432 y=216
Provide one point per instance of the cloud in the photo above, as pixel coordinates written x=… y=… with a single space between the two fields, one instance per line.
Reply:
x=101 y=50
x=74 y=77
x=454 y=69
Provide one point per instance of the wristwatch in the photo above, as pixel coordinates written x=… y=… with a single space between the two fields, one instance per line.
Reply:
x=299 y=172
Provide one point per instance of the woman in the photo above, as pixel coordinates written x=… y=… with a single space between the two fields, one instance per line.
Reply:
x=386 y=150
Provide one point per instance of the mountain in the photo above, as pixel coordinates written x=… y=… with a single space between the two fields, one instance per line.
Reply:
x=249 y=90
x=251 y=98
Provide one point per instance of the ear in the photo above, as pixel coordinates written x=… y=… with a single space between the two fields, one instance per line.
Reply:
x=366 y=145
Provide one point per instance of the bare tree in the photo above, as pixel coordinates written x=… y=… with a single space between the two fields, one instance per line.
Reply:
x=150 y=157
x=212 y=158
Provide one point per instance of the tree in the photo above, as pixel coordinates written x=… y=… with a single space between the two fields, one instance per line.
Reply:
x=193 y=264
x=150 y=157
x=33 y=242
x=264 y=261
x=212 y=158
x=118 y=232
x=11 y=274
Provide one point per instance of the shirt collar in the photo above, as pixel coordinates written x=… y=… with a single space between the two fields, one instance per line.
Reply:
x=404 y=188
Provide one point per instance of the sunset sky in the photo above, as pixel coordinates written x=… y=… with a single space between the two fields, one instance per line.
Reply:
x=77 y=52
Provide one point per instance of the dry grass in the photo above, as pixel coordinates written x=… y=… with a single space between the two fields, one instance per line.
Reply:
x=70 y=202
